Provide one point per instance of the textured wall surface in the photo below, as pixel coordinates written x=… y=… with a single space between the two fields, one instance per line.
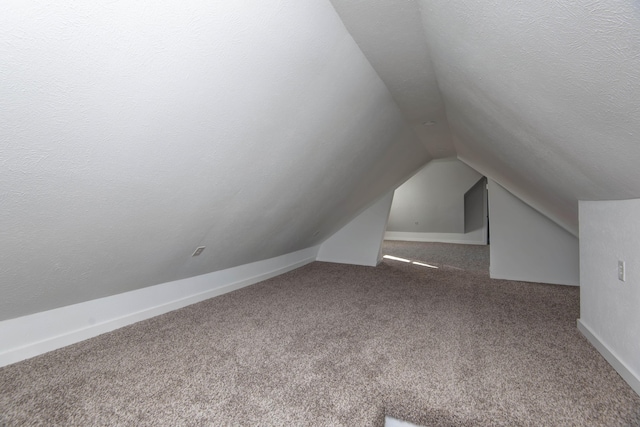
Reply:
x=609 y=232
x=360 y=241
x=134 y=132
x=391 y=35
x=527 y=246
x=543 y=96
x=432 y=201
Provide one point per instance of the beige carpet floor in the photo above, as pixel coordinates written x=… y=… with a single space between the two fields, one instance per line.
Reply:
x=339 y=345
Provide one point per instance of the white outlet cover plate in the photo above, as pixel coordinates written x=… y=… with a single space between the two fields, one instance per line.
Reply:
x=621 y=271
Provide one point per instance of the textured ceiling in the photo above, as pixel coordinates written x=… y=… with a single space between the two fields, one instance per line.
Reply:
x=391 y=35
x=132 y=133
x=542 y=97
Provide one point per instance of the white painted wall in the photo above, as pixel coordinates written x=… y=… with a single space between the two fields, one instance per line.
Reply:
x=429 y=207
x=610 y=308
x=432 y=201
x=38 y=333
x=360 y=241
x=526 y=245
x=134 y=132
x=476 y=207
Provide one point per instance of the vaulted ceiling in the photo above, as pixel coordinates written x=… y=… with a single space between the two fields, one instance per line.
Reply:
x=131 y=133
x=542 y=97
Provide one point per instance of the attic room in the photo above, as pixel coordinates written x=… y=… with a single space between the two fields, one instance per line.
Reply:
x=197 y=198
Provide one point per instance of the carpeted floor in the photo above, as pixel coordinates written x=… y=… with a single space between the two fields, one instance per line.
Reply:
x=339 y=345
x=471 y=258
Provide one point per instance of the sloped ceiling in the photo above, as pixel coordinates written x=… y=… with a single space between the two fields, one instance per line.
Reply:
x=133 y=132
x=390 y=33
x=544 y=97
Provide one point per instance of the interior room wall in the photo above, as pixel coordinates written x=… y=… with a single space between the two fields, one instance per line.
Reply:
x=360 y=241
x=526 y=245
x=27 y=336
x=132 y=135
x=475 y=207
x=609 y=307
x=430 y=206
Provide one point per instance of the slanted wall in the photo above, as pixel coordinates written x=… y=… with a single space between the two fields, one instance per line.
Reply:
x=360 y=241
x=526 y=245
x=133 y=134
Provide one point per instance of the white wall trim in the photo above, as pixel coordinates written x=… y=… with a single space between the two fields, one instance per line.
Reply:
x=28 y=336
x=633 y=379
x=531 y=279
x=432 y=237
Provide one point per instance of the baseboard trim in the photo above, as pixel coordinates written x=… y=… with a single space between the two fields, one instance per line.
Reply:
x=515 y=278
x=610 y=356
x=35 y=334
x=433 y=238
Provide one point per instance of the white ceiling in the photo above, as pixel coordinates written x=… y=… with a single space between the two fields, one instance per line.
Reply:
x=542 y=97
x=391 y=35
x=131 y=133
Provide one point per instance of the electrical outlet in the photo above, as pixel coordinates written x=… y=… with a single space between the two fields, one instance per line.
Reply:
x=198 y=251
x=621 y=271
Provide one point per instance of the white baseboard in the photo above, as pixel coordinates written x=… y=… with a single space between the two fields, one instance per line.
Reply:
x=610 y=356
x=531 y=279
x=38 y=333
x=460 y=238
